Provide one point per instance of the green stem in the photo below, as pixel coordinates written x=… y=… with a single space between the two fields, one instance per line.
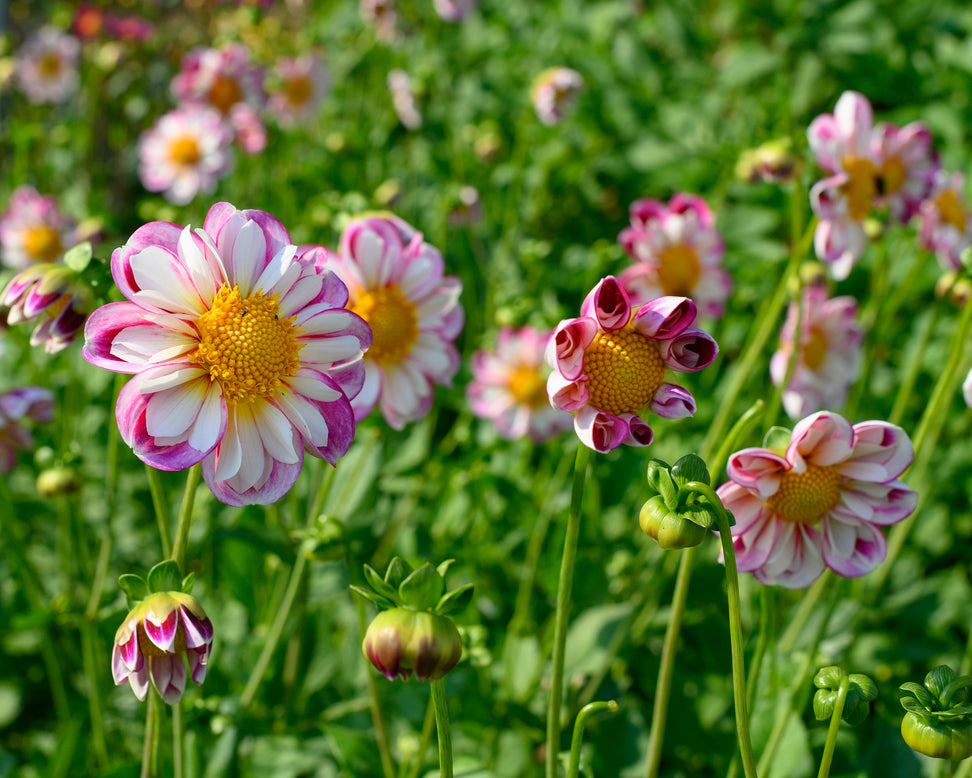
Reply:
x=831 y=743
x=185 y=516
x=563 y=607
x=177 y=740
x=913 y=368
x=442 y=727
x=150 y=747
x=89 y=652
x=807 y=606
x=767 y=623
x=415 y=765
x=161 y=509
x=578 y=740
x=739 y=429
x=381 y=732
x=776 y=399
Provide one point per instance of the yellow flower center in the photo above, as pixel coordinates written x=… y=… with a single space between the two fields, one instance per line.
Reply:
x=625 y=371
x=528 y=387
x=42 y=243
x=950 y=210
x=814 y=351
x=804 y=498
x=861 y=187
x=184 y=151
x=245 y=345
x=679 y=271
x=891 y=176
x=225 y=93
x=299 y=90
x=393 y=322
x=49 y=65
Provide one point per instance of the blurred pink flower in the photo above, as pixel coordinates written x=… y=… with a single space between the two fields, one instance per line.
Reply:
x=821 y=502
x=946 y=223
x=225 y=79
x=51 y=293
x=382 y=16
x=397 y=286
x=610 y=364
x=830 y=353
x=509 y=386
x=186 y=152
x=453 y=10
x=243 y=354
x=304 y=82
x=403 y=99
x=47 y=66
x=554 y=93
x=16 y=406
x=33 y=229
x=677 y=251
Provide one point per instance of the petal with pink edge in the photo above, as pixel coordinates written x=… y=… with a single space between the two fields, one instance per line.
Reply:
x=598 y=430
x=852 y=548
x=565 y=350
x=673 y=402
x=665 y=318
x=567 y=395
x=608 y=304
x=690 y=351
x=162 y=631
x=758 y=469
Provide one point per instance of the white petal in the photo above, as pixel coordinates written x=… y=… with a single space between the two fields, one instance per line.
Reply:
x=249 y=253
x=163 y=280
x=229 y=454
x=276 y=432
x=209 y=422
x=309 y=386
x=327 y=351
x=168 y=377
x=170 y=412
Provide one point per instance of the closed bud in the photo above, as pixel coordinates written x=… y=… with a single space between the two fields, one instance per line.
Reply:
x=669 y=528
x=57 y=480
x=938 y=721
x=401 y=642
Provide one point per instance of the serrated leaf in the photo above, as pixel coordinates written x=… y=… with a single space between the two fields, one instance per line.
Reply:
x=187 y=583
x=377 y=599
x=398 y=570
x=455 y=600
x=938 y=679
x=443 y=567
x=165 y=577
x=134 y=587
x=777 y=438
x=422 y=589
x=78 y=257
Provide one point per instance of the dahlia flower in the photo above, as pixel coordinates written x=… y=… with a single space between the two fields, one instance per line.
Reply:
x=304 y=82
x=554 y=93
x=156 y=639
x=242 y=352
x=33 y=229
x=186 y=152
x=17 y=405
x=396 y=284
x=946 y=226
x=610 y=364
x=47 y=66
x=509 y=386
x=821 y=502
x=677 y=251
x=830 y=353
x=52 y=294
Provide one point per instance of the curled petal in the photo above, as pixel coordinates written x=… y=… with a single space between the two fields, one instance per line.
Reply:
x=565 y=350
x=168 y=676
x=851 y=547
x=567 y=395
x=665 y=317
x=757 y=469
x=882 y=452
x=607 y=303
x=823 y=438
x=673 y=402
x=639 y=433
x=690 y=351
x=600 y=431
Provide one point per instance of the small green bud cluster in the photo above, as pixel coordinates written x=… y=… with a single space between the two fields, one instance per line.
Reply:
x=861 y=690
x=414 y=634
x=677 y=515
x=938 y=721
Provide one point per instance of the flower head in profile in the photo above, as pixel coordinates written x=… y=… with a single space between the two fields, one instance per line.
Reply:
x=33 y=229
x=186 y=152
x=554 y=93
x=242 y=353
x=677 y=251
x=17 y=406
x=154 y=643
x=509 y=386
x=946 y=223
x=47 y=66
x=54 y=296
x=820 y=502
x=396 y=284
x=830 y=353
x=303 y=83
x=610 y=364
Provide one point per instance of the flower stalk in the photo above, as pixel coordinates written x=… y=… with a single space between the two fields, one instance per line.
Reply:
x=577 y=742
x=442 y=727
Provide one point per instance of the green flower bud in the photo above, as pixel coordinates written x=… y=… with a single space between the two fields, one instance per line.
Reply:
x=676 y=514
x=861 y=690
x=670 y=529
x=57 y=480
x=938 y=721
x=400 y=642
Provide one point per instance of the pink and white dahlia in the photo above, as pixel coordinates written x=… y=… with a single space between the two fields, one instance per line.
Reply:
x=610 y=364
x=186 y=152
x=509 y=386
x=157 y=638
x=554 y=93
x=946 y=223
x=47 y=66
x=225 y=79
x=303 y=83
x=53 y=295
x=830 y=353
x=677 y=251
x=819 y=503
x=243 y=355
x=16 y=406
x=33 y=229
x=396 y=284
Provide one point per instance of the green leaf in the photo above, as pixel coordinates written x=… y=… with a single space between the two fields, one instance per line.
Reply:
x=165 y=577
x=938 y=679
x=912 y=705
x=455 y=600
x=380 y=586
x=828 y=677
x=78 y=257
x=777 y=439
x=917 y=692
x=667 y=489
x=398 y=570
x=377 y=599
x=865 y=686
x=691 y=467
x=823 y=702
x=187 y=583
x=422 y=589
x=443 y=567
x=657 y=469
x=134 y=587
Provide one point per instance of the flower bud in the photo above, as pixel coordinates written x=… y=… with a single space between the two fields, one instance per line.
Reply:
x=400 y=642
x=57 y=480
x=938 y=721
x=861 y=690
x=667 y=527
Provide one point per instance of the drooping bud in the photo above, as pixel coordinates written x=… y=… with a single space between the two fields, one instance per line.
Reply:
x=676 y=515
x=861 y=690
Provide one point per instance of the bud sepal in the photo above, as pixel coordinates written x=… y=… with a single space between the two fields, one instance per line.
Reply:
x=680 y=511
x=938 y=721
x=861 y=691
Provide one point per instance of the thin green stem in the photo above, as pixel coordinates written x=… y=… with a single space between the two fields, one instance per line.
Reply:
x=965 y=668
x=577 y=742
x=738 y=430
x=776 y=398
x=89 y=654
x=411 y=769
x=177 y=740
x=807 y=606
x=563 y=608
x=185 y=516
x=442 y=727
x=828 y=753
x=377 y=718
x=767 y=623
x=150 y=746
x=161 y=509
x=913 y=368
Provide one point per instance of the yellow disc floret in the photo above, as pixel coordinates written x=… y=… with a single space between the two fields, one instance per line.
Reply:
x=225 y=93
x=814 y=350
x=528 y=387
x=804 y=498
x=299 y=90
x=393 y=321
x=245 y=345
x=42 y=243
x=860 y=187
x=184 y=151
x=950 y=210
x=679 y=270
x=625 y=371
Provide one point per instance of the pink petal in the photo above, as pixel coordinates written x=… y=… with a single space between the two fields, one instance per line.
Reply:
x=639 y=433
x=168 y=675
x=823 y=438
x=852 y=548
x=690 y=351
x=607 y=303
x=162 y=633
x=672 y=402
x=567 y=395
x=665 y=318
x=600 y=431
x=198 y=631
x=565 y=350
x=757 y=469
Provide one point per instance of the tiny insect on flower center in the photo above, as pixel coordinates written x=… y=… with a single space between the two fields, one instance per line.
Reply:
x=814 y=350
x=861 y=186
x=393 y=321
x=42 y=243
x=528 y=387
x=299 y=90
x=679 y=270
x=49 y=65
x=225 y=93
x=184 y=151
x=804 y=498
x=950 y=210
x=625 y=370
x=245 y=345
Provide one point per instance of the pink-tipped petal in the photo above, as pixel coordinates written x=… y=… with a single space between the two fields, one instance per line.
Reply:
x=665 y=317
x=567 y=395
x=852 y=548
x=757 y=469
x=598 y=430
x=161 y=629
x=607 y=303
x=673 y=402
x=690 y=351
x=565 y=351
